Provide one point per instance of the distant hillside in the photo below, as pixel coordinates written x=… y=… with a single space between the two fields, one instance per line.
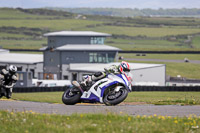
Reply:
x=128 y=12
x=24 y=29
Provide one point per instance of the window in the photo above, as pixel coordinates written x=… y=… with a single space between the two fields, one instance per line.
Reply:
x=29 y=76
x=19 y=68
x=33 y=72
x=97 y=40
x=69 y=58
x=93 y=57
x=51 y=41
x=101 y=58
x=65 y=77
x=74 y=76
x=51 y=59
x=20 y=76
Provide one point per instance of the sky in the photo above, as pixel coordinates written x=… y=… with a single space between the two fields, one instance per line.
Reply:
x=140 y=4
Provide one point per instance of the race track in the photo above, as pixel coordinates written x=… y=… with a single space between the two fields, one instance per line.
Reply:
x=169 y=110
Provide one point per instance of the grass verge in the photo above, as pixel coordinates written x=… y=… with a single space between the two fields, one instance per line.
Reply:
x=187 y=70
x=25 y=122
x=161 y=98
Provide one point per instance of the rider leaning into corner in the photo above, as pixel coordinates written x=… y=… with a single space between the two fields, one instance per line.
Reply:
x=9 y=79
x=123 y=67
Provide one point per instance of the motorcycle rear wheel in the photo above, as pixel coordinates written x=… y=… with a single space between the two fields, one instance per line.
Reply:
x=114 y=98
x=71 y=97
x=1 y=92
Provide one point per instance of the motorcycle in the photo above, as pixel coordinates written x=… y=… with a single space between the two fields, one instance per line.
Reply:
x=111 y=90
x=4 y=89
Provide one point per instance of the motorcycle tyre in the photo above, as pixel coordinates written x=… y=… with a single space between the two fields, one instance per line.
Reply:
x=1 y=93
x=70 y=100
x=116 y=101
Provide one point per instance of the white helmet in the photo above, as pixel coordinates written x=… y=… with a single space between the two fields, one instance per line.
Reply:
x=13 y=69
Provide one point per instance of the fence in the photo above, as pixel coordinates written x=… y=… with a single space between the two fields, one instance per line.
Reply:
x=39 y=89
x=134 y=88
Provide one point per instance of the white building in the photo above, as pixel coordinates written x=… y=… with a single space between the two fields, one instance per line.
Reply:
x=143 y=74
x=24 y=62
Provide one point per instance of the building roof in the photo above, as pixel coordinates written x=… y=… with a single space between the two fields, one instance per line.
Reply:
x=76 y=33
x=88 y=47
x=88 y=67
x=21 y=58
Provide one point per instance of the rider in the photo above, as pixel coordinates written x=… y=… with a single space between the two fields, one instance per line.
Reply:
x=9 y=78
x=115 y=69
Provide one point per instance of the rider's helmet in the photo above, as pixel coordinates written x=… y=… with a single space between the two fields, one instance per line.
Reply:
x=12 y=69
x=124 y=67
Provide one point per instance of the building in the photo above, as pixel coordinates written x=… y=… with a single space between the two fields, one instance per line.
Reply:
x=28 y=65
x=71 y=54
x=143 y=74
x=66 y=47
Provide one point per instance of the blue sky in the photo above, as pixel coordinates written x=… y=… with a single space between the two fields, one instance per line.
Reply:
x=155 y=4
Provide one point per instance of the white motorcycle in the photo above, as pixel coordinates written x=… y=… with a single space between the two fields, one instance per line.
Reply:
x=111 y=90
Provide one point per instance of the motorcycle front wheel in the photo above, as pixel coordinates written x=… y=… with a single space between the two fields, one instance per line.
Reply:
x=114 y=98
x=71 y=96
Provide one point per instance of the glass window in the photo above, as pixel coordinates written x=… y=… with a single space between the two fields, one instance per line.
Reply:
x=65 y=77
x=69 y=58
x=20 y=76
x=93 y=57
x=101 y=58
x=51 y=40
x=97 y=40
x=29 y=76
x=51 y=59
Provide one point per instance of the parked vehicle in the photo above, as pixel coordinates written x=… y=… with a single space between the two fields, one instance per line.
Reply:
x=111 y=90
x=50 y=83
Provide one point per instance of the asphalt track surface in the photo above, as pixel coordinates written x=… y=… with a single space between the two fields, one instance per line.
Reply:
x=128 y=109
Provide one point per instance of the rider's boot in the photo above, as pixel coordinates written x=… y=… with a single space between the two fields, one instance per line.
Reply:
x=75 y=83
x=8 y=92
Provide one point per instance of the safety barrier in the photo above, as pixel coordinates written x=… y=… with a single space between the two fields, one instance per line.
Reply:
x=166 y=88
x=134 y=88
x=39 y=89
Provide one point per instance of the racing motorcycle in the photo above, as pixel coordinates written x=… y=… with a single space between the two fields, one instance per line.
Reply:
x=111 y=90
x=4 y=88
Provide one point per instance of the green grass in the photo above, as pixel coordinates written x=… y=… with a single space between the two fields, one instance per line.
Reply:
x=187 y=70
x=196 y=41
x=25 y=122
x=153 y=28
x=6 y=13
x=53 y=25
x=162 y=56
x=50 y=97
x=147 y=45
x=23 y=44
x=146 y=31
x=165 y=98
x=183 y=98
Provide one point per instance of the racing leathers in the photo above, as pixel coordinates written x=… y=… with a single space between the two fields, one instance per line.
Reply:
x=8 y=80
x=99 y=75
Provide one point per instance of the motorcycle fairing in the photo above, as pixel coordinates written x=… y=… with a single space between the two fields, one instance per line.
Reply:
x=95 y=93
